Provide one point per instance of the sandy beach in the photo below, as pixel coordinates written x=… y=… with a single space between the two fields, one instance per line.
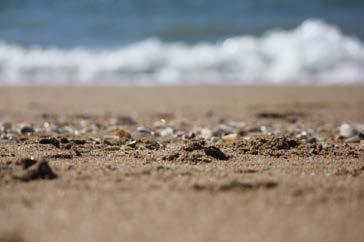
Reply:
x=199 y=163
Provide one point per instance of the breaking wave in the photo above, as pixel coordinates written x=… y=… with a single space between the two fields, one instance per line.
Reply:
x=313 y=53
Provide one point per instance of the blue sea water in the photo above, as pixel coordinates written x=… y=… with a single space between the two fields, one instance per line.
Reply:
x=174 y=41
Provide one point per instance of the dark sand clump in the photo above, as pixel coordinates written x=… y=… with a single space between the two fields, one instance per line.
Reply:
x=285 y=146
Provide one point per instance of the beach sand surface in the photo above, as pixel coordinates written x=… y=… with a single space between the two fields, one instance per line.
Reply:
x=158 y=186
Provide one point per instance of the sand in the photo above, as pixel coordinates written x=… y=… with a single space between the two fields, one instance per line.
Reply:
x=264 y=180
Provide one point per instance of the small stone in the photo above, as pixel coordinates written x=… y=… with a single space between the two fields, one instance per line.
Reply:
x=144 y=130
x=256 y=129
x=95 y=140
x=5 y=126
x=242 y=132
x=198 y=158
x=215 y=153
x=160 y=123
x=111 y=139
x=361 y=136
x=311 y=140
x=167 y=132
x=152 y=145
x=313 y=151
x=26 y=162
x=77 y=152
x=271 y=115
x=223 y=129
x=121 y=133
x=171 y=157
x=196 y=145
x=189 y=135
x=60 y=156
x=79 y=141
x=31 y=169
x=50 y=141
x=346 y=130
x=230 y=137
x=126 y=120
x=354 y=139
x=27 y=130
x=206 y=133
x=64 y=140
x=131 y=144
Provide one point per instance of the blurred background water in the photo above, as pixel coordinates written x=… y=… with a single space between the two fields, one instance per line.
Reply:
x=173 y=41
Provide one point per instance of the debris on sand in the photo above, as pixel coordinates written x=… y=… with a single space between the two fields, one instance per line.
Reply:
x=196 y=151
x=152 y=145
x=347 y=130
x=269 y=143
x=166 y=132
x=285 y=145
x=27 y=130
x=121 y=133
x=126 y=120
x=79 y=141
x=195 y=145
x=66 y=156
x=246 y=186
x=288 y=116
x=215 y=153
x=230 y=137
x=29 y=169
x=50 y=141
x=237 y=186
x=145 y=130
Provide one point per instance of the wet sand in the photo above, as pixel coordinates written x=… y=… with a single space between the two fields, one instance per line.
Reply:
x=181 y=164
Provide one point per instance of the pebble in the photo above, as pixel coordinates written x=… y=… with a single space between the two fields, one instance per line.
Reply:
x=5 y=126
x=167 y=132
x=361 y=136
x=230 y=137
x=79 y=141
x=29 y=169
x=346 y=130
x=126 y=120
x=6 y=136
x=311 y=140
x=223 y=129
x=27 y=130
x=64 y=140
x=121 y=133
x=160 y=123
x=189 y=135
x=96 y=140
x=206 y=133
x=354 y=139
x=23 y=128
x=51 y=141
x=144 y=130
x=111 y=139
x=152 y=145
x=215 y=153
x=132 y=143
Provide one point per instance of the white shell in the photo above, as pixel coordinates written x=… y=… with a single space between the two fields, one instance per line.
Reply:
x=346 y=130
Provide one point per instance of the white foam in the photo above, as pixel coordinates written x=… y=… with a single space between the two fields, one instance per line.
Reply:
x=313 y=53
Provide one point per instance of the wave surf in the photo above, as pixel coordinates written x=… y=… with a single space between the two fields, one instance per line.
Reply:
x=313 y=53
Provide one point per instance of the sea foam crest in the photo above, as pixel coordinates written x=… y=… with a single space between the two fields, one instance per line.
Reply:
x=313 y=53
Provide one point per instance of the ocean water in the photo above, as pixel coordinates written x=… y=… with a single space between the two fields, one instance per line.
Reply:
x=148 y=42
